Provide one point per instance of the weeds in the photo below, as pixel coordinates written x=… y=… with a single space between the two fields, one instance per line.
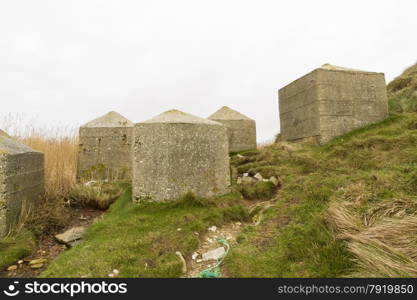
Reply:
x=95 y=194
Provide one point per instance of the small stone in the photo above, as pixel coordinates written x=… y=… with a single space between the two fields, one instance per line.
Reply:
x=213 y=228
x=245 y=174
x=240 y=156
x=12 y=268
x=199 y=260
x=111 y=275
x=179 y=229
x=20 y=262
x=274 y=180
x=71 y=236
x=38 y=261
x=209 y=240
x=115 y=271
x=214 y=254
x=36 y=266
x=194 y=256
x=258 y=176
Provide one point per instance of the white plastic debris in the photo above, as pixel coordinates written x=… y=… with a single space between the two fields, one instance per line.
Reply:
x=214 y=254
x=213 y=228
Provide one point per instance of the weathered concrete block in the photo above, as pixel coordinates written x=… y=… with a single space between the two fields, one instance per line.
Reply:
x=331 y=101
x=175 y=153
x=241 y=130
x=21 y=181
x=105 y=148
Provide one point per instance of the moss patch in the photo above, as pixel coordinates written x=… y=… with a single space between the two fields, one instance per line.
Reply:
x=15 y=247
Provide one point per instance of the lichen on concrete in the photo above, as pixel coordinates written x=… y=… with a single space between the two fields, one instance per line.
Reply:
x=241 y=130
x=105 y=148
x=175 y=153
x=329 y=102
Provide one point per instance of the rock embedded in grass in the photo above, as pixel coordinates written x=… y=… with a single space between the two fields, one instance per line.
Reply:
x=71 y=236
x=258 y=176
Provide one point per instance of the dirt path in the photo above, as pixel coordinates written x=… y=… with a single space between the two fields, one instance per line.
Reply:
x=209 y=241
x=229 y=232
x=48 y=248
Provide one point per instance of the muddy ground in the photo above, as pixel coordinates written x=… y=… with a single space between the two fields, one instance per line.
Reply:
x=48 y=248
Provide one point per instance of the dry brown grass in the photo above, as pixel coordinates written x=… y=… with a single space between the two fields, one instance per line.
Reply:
x=96 y=194
x=382 y=239
x=58 y=143
x=60 y=162
x=60 y=147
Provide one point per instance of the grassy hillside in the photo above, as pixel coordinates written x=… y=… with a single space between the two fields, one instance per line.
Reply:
x=345 y=209
x=402 y=91
x=348 y=208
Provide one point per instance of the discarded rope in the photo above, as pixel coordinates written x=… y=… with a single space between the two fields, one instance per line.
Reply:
x=214 y=272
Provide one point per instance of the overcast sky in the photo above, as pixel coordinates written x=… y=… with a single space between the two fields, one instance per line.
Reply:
x=71 y=61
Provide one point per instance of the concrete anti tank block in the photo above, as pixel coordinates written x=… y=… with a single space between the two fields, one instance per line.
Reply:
x=331 y=101
x=175 y=153
x=105 y=148
x=21 y=181
x=241 y=130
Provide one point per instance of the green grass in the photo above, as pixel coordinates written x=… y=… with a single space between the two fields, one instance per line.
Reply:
x=140 y=240
x=348 y=208
x=365 y=168
x=402 y=91
x=15 y=247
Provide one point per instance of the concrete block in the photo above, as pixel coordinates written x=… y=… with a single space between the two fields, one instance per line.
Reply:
x=21 y=181
x=331 y=101
x=175 y=153
x=105 y=149
x=241 y=130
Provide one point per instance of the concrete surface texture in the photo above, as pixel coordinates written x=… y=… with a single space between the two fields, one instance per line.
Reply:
x=21 y=181
x=241 y=130
x=329 y=102
x=175 y=153
x=105 y=148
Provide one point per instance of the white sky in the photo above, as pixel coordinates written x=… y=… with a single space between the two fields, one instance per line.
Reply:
x=67 y=62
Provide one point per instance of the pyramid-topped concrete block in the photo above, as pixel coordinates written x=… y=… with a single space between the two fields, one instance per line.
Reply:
x=105 y=148
x=21 y=181
x=331 y=101
x=175 y=153
x=241 y=130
